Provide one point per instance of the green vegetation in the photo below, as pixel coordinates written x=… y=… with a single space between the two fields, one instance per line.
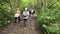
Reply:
x=49 y=20
x=5 y=12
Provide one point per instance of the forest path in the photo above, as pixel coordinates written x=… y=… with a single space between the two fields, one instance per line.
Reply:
x=19 y=28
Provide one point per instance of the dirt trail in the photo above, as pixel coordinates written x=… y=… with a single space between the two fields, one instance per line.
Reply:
x=19 y=29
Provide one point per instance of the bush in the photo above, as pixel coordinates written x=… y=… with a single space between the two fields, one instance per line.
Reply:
x=5 y=15
x=49 y=21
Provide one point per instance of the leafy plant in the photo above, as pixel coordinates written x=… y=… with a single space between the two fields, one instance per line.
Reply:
x=49 y=21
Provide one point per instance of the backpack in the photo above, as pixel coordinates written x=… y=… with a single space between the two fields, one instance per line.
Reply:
x=32 y=12
x=25 y=13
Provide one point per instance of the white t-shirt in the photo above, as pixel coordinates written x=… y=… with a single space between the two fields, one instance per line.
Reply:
x=17 y=15
x=32 y=11
x=26 y=13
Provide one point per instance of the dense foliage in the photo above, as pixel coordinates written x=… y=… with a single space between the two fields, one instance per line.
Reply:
x=49 y=20
x=5 y=12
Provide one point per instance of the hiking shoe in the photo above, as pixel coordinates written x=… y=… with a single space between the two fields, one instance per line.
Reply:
x=25 y=28
x=33 y=28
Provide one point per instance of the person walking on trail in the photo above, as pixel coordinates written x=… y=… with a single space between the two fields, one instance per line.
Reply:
x=25 y=16
x=17 y=15
x=32 y=15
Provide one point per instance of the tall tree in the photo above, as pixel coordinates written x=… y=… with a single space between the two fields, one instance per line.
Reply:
x=42 y=4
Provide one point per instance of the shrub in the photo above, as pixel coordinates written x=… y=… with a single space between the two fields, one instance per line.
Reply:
x=49 y=21
x=5 y=15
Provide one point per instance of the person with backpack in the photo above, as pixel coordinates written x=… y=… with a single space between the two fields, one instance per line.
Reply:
x=32 y=12
x=25 y=16
x=32 y=17
x=17 y=15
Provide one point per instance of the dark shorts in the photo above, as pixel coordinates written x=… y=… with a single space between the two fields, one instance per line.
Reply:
x=15 y=19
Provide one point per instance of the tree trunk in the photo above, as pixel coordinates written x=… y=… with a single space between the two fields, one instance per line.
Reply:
x=42 y=4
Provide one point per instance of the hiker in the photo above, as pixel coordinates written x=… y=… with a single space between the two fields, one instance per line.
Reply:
x=25 y=16
x=32 y=12
x=32 y=17
x=17 y=15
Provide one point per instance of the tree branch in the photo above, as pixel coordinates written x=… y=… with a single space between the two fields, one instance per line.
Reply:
x=52 y=4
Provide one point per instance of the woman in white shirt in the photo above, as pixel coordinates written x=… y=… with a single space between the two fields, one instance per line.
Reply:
x=17 y=15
